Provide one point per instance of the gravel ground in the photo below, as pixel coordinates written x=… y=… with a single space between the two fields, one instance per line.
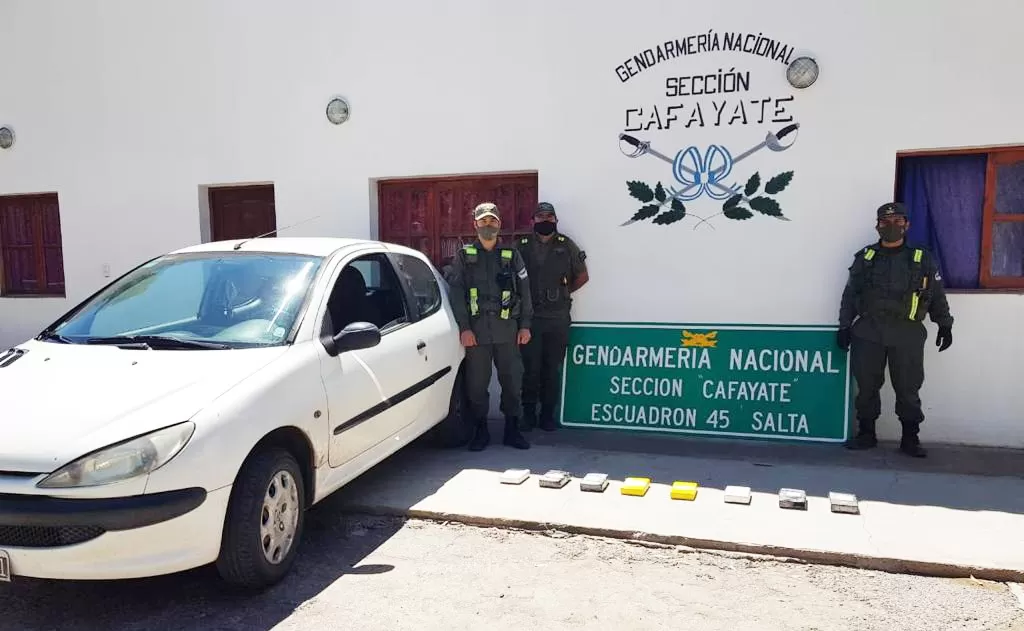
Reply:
x=371 y=573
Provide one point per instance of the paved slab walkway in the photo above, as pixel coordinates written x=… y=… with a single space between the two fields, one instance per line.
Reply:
x=920 y=516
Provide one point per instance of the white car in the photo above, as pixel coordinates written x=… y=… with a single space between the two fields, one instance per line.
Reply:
x=193 y=409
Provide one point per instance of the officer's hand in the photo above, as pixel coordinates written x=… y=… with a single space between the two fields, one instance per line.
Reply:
x=467 y=338
x=524 y=337
x=843 y=338
x=945 y=338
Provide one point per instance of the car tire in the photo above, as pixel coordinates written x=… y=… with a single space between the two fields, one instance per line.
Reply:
x=268 y=503
x=454 y=430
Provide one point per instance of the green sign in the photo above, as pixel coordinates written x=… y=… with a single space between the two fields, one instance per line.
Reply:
x=770 y=382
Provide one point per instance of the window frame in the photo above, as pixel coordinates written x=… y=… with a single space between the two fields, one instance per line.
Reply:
x=38 y=249
x=383 y=257
x=990 y=217
x=410 y=293
x=994 y=155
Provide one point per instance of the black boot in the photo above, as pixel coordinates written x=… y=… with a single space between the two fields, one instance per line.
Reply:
x=529 y=420
x=547 y=421
x=865 y=438
x=481 y=437
x=513 y=437
x=910 y=444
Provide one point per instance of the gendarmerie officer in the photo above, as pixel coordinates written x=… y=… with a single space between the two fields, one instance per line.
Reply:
x=557 y=269
x=490 y=288
x=891 y=287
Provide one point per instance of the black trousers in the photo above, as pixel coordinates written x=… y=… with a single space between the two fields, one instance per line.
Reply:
x=542 y=359
x=905 y=360
x=506 y=358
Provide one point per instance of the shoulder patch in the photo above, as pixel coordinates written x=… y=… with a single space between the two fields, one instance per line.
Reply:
x=561 y=238
x=523 y=273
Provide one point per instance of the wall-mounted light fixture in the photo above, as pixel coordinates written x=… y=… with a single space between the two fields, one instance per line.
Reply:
x=337 y=110
x=802 y=72
x=6 y=137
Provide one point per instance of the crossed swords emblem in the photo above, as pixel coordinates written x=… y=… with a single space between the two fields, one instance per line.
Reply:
x=702 y=176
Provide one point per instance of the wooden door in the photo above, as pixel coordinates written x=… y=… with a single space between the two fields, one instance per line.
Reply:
x=406 y=216
x=242 y=212
x=31 y=250
x=435 y=216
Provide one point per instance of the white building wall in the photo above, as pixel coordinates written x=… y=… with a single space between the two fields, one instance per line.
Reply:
x=126 y=108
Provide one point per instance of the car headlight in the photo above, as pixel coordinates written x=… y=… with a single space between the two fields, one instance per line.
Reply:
x=122 y=461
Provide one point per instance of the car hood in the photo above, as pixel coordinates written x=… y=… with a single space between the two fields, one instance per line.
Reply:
x=59 y=402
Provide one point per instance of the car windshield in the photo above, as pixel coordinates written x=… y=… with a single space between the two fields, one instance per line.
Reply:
x=197 y=300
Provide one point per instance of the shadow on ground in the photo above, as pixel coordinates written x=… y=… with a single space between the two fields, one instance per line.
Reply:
x=333 y=547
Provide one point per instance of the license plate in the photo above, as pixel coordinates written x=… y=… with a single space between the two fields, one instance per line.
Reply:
x=5 y=567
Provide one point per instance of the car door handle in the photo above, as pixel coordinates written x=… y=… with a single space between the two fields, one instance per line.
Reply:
x=421 y=345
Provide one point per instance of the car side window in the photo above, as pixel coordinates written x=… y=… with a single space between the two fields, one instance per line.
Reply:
x=422 y=283
x=366 y=290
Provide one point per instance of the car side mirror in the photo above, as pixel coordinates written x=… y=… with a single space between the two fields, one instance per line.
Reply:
x=353 y=337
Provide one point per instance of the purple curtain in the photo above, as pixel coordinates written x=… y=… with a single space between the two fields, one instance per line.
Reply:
x=945 y=198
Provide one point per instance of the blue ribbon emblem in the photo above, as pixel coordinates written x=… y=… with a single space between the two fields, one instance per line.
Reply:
x=705 y=173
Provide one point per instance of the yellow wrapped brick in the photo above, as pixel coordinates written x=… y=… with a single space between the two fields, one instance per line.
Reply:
x=684 y=490
x=636 y=486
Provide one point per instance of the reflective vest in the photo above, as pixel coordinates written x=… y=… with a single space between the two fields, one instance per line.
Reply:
x=505 y=282
x=918 y=283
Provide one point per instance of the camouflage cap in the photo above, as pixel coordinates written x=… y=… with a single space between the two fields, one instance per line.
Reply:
x=892 y=209
x=544 y=207
x=485 y=209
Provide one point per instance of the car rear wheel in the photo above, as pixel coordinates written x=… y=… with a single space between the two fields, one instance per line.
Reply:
x=264 y=521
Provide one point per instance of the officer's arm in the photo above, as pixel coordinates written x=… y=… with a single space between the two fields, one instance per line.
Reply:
x=938 y=308
x=580 y=274
x=848 y=305
x=525 y=298
x=457 y=293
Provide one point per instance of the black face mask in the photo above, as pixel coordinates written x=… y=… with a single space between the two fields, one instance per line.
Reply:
x=544 y=227
x=891 y=233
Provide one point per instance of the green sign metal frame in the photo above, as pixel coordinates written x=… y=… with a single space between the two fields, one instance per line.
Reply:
x=768 y=382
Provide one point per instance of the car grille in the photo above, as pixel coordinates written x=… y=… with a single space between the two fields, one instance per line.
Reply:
x=46 y=536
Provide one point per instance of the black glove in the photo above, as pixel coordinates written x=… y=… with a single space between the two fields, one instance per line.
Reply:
x=945 y=338
x=843 y=337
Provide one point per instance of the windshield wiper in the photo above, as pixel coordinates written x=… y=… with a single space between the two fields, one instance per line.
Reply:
x=50 y=336
x=156 y=341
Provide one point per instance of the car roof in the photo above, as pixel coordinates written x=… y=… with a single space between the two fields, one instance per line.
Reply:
x=312 y=246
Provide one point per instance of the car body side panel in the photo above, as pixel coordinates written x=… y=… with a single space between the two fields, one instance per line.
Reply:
x=288 y=392
x=442 y=352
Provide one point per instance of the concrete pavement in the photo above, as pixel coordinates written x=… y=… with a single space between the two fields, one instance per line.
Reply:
x=917 y=516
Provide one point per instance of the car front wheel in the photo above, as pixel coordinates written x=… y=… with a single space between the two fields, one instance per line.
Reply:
x=264 y=520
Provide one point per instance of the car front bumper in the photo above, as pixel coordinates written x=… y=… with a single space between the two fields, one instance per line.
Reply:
x=113 y=538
